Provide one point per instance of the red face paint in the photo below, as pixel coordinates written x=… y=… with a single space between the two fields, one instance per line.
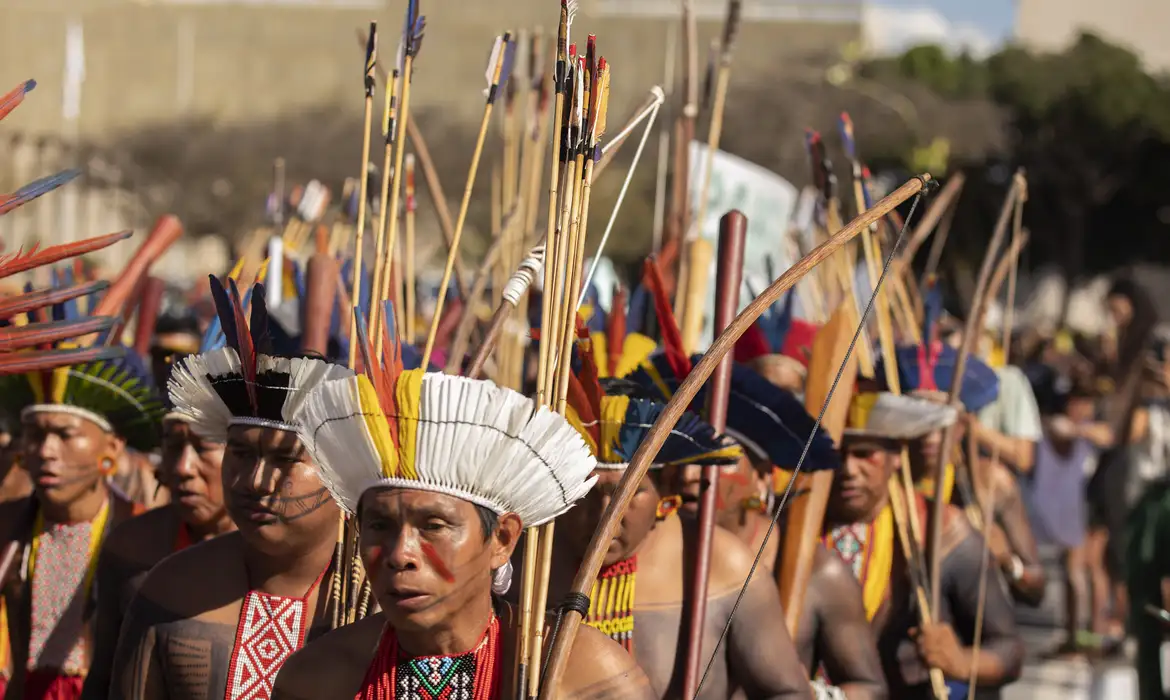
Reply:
x=437 y=562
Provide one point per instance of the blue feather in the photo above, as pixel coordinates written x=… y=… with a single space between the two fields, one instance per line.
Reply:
x=37 y=188
x=980 y=382
x=766 y=415
x=640 y=301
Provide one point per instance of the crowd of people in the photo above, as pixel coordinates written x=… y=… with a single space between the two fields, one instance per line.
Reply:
x=273 y=494
x=176 y=530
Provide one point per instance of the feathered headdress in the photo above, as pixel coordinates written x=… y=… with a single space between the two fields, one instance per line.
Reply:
x=614 y=425
x=768 y=420
x=243 y=382
x=893 y=417
x=930 y=366
x=396 y=428
x=616 y=350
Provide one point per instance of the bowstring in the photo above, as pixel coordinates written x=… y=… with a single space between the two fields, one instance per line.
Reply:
x=811 y=437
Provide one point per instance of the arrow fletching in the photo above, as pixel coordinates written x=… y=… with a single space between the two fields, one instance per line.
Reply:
x=15 y=96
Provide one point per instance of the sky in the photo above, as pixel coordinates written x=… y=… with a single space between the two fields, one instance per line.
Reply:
x=977 y=25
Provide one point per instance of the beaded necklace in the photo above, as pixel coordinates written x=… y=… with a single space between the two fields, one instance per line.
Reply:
x=270 y=629
x=611 y=602
x=474 y=675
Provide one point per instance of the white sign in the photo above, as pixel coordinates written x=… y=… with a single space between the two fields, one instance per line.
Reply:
x=766 y=199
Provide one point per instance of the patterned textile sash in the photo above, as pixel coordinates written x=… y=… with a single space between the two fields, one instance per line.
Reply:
x=475 y=675
x=869 y=551
x=271 y=628
x=60 y=570
x=50 y=685
x=611 y=602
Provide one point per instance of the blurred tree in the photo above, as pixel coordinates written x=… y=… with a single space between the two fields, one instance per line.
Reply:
x=1090 y=127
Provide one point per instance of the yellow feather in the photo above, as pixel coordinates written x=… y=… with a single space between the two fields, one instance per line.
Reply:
x=376 y=425
x=409 y=392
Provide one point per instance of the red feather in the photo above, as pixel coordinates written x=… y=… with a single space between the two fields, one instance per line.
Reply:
x=21 y=261
x=672 y=345
x=247 y=348
x=752 y=344
x=616 y=333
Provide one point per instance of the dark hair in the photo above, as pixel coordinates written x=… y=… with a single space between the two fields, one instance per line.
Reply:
x=1137 y=334
x=488 y=519
x=625 y=387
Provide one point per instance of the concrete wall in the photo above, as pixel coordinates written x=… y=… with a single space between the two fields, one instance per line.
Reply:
x=152 y=61
x=1140 y=24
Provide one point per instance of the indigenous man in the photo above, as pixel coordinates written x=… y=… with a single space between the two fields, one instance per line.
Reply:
x=218 y=618
x=1000 y=416
x=191 y=472
x=75 y=423
x=650 y=550
x=861 y=527
x=442 y=474
x=773 y=427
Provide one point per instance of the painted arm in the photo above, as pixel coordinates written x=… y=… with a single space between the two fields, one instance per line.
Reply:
x=1029 y=587
x=844 y=641
x=601 y=669
x=761 y=656
x=1001 y=652
x=137 y=673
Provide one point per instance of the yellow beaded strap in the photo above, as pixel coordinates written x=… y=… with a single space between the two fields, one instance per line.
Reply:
x=95 y=543
x=611 y=602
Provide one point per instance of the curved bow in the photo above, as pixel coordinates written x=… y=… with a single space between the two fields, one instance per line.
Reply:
x=611 y=518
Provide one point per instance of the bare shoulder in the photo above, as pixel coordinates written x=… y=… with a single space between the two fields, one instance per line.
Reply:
x=175 y=580
x=601 y=669
x=829 y=568
x=332 y=665
x=128 y=540
x=731 y=562
x=956 y=529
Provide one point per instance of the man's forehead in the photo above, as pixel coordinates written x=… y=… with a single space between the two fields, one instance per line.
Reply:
x=270 y=439
x=413 y=500
x=57 y=419
x=868 y=442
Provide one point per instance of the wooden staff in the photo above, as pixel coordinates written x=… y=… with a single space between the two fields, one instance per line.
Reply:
x=690 y=315
x=412 y=34
x=715 y=129
x=1019 y=239
x=809 y=496
x=321 y=277
x=382 y=257
x=430 y=174
x=498 y=77
x=410 y=282
x=148 y=307
x=467 y=321
x=167 y=230
x=359 y=243
x=515 y=288
x=632 y=477
x=970 y=336
x=732 y=237
x=934 y=213
x=907 y=516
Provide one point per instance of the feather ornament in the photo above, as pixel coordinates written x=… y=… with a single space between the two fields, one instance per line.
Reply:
x=12 y=99
x=461 y=437
x=31 y=301
x=117 y=392
x=36 y=189
x=899 y=417
x=22 y=261
x=768 y=420
x=672 y=344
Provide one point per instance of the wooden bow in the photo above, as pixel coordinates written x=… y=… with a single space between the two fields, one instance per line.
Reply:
x=683 y=396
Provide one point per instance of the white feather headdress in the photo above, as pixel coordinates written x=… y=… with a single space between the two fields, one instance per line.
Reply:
x=895 y=417
x=463 y=437
x=212 y=391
